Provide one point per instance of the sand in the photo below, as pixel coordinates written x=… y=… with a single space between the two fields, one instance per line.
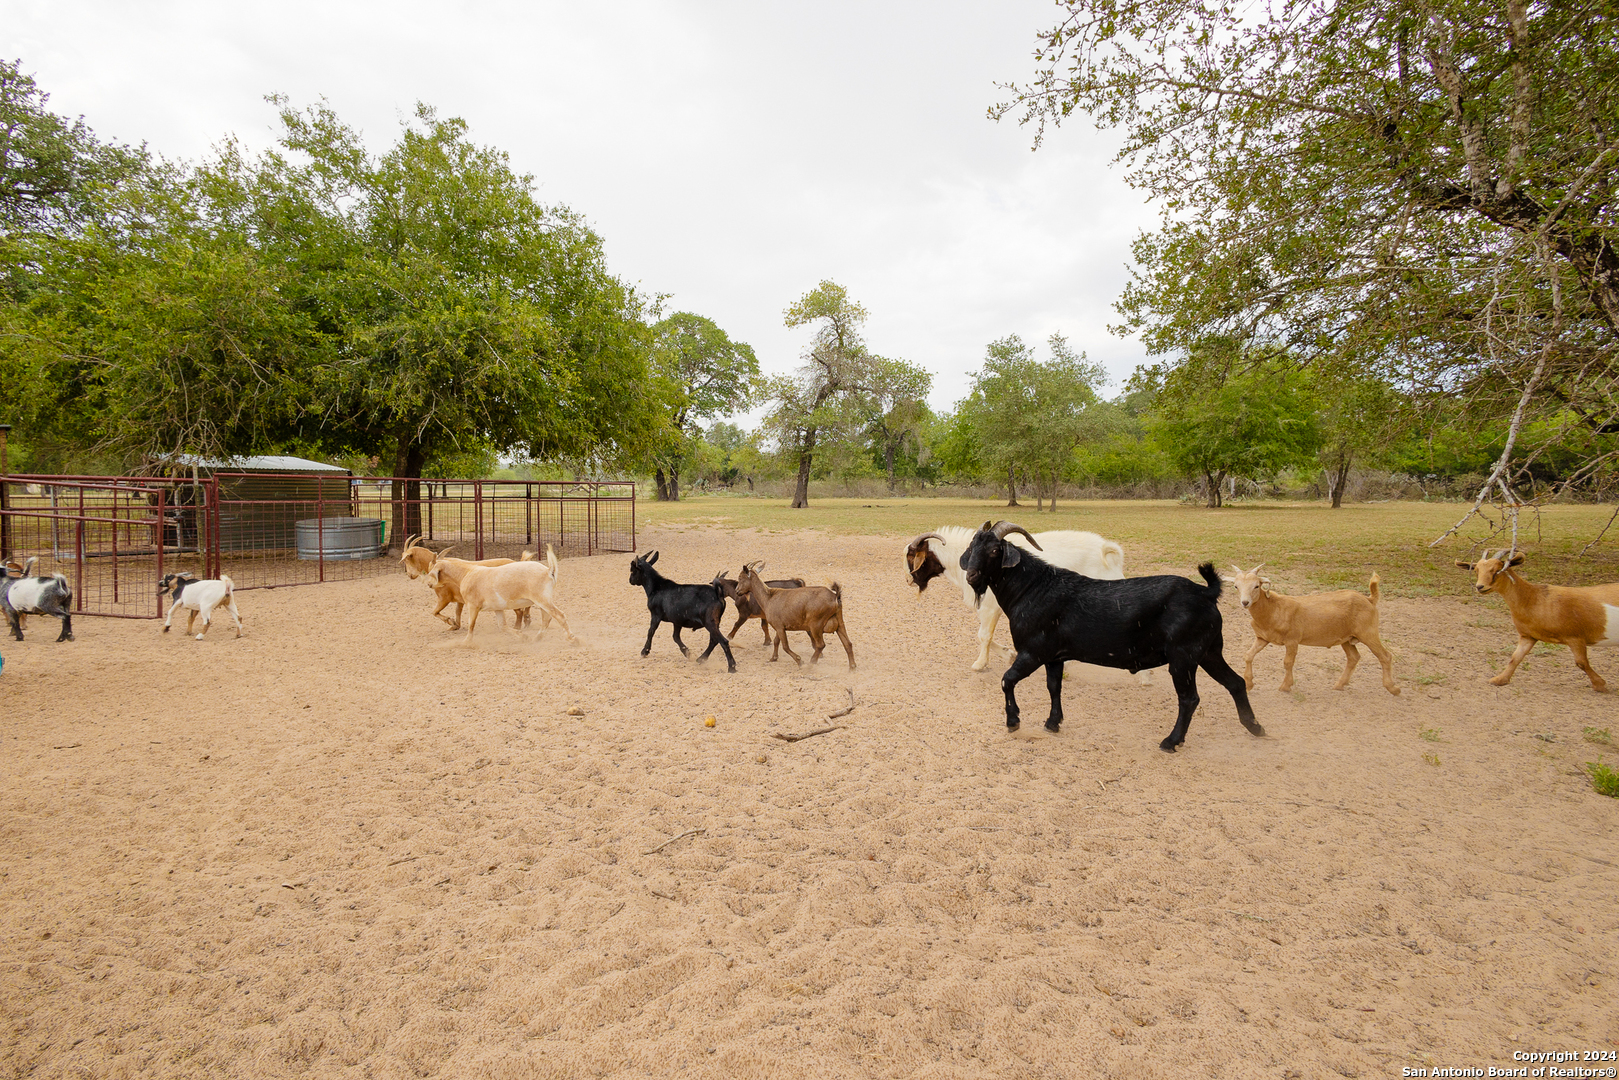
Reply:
x=343 y=846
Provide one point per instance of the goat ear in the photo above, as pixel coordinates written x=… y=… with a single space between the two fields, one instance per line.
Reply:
x=652 y=558
x=1228 y=581
x=1464 y=565
x=1516 y=559
x=1011 y=555
x=1264 y=581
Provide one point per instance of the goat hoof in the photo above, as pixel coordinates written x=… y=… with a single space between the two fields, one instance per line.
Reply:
x=1167 y=747
x=1054 y=727
x=1256 y=729
x=165 y=629
x=1013 y=726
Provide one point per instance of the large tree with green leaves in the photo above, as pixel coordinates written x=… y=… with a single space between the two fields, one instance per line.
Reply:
x=896 y=409
x=820 y=398
x=1425 y=193
x=1030 y=415
x=708 y=376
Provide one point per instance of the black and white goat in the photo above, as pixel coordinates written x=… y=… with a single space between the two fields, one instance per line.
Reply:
x=688 y=607
x=28 y=595
x=1056 y=615
x=199 y=597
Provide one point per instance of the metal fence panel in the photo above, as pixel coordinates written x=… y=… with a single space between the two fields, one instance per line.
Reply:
x=116 y=536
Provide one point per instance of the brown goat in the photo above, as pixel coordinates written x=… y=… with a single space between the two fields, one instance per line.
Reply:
x=418 y=560
x=513 y=587
x=816 y=610
x=1320 y=620
x=746 y=608
x=1576 y=616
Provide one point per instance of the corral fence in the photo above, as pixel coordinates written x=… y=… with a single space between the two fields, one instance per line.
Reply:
x=115 y=537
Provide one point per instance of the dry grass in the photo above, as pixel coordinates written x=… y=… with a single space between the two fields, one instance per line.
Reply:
x=1303 y=545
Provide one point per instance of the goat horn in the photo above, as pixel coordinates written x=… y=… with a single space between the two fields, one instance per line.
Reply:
x=1237 y=568
x=925 y=536
x=1003 y=528
x=1256 y=569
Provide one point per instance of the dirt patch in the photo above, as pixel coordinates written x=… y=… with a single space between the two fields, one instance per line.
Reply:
x=343 y=842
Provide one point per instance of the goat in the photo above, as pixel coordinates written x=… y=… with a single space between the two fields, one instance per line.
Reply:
x=1576 y=616
x=1319 y=620
x=513 y=586
x=746 y=606
x=817 y=610
x=28 y=595
x=1056 y=615
x=448 y=590
x=939 y=552
x=688 y=607
x=199 y=597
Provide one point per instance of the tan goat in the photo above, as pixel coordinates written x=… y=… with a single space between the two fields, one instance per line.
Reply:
x=815 y=609
x=418 y=560
x=1576 y=616
x=1320 y=620
x=514 y=587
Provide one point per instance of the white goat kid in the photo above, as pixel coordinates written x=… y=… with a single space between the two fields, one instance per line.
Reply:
x=199 y=597
x=939 y=553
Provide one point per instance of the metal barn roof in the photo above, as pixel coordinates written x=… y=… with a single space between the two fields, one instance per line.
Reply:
x=278 y=463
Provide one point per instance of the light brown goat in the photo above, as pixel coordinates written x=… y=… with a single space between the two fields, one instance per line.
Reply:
x=1576 y=616
x=1320 y=620
x=418 y=560
x=514 y=587
x=815 y=609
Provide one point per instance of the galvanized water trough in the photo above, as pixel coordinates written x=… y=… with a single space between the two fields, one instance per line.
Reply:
x=340 y=538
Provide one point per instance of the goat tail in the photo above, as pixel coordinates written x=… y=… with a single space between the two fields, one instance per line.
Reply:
x=1207 y=570
x=837 y=591
x=230 y=586
x=551 y=561
x=1376 y=581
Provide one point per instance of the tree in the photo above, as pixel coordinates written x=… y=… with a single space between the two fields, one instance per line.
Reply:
x=461 y=312
x=1426 y=195
x=896 y=407
x=1249 y=424
x=711 y=375
x=816 y=399
x=1029 y=415
x=1356 y=419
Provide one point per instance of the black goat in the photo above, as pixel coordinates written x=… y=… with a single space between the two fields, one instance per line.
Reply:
x=746 y=607
x=688 y=607
x=51 y=595
x=1057 y=615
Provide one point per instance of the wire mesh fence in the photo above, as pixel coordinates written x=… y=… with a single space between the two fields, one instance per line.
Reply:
x=115 y=537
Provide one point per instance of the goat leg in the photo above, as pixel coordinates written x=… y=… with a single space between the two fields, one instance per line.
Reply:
x=1022 y=667
x=1524 y=645
x=653 y=629
x=1223 y=673
x=716 y=638
x=843 y=636
x=782 y=642
x=1184 y=675
x=1351 y=661
x=15 y=623
x=1054 y=688
x=681 y=644
x=1577 y=647
x=67 y=629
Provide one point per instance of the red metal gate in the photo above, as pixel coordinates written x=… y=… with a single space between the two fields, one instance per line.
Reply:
x=114 y=537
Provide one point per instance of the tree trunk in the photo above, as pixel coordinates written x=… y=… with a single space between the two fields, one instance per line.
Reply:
x=1011 y=486
x=1337 y=479
x=806 y=455
x=407 y=492
x=1053 y=492
x=889 y=452
x=1212 y=483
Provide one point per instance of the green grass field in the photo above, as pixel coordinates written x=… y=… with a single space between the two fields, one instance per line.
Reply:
x=1302 y=544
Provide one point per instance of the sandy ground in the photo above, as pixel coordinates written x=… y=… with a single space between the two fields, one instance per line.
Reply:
x=342 y=847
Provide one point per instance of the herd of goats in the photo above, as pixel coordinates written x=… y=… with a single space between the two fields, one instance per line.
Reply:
x=1063 y=593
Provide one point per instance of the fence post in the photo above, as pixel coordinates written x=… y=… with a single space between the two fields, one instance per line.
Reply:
x=78 y=557
x=161 y=491
x=320 y=525
x=477 y=519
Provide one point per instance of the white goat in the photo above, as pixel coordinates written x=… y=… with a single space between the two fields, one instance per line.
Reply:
x=513 y=587
x=199 y=597
x=939 y=552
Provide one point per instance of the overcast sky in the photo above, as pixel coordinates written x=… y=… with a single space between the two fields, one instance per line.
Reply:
x=733 y=154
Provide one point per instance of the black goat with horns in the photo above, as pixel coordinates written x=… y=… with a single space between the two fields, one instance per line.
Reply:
x=1056 y=615
x=687 y=607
